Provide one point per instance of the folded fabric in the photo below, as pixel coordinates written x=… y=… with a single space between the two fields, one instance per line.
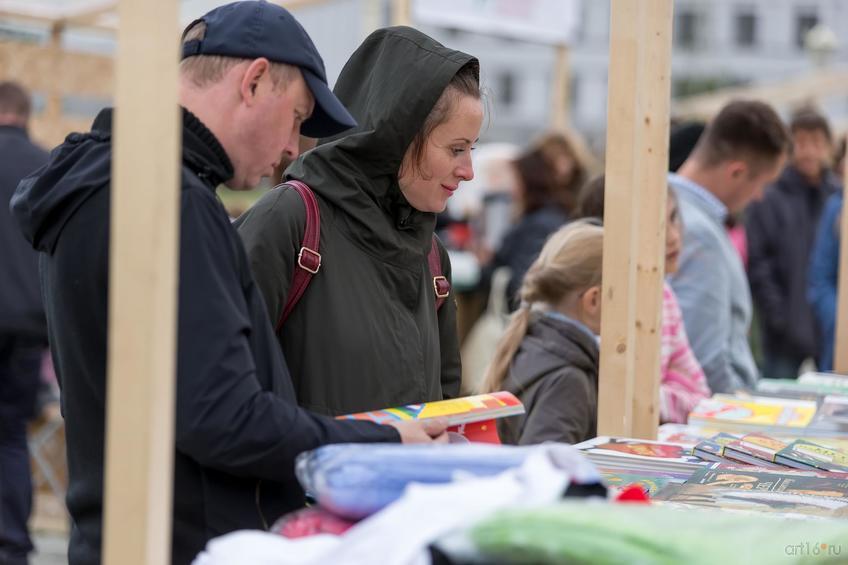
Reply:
x=309 y=522
x=356 y=480
x=585 y=532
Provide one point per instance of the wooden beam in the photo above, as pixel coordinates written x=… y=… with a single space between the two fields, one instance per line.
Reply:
x=560 y=103
x=797 y=90
x=41 y=68
x=90 y=13
x=840 y=348
x=401 y=12
x=634 y=216
x=143 y=279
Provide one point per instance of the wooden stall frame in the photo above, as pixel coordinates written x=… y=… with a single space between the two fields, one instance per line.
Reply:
x=560 y=93
x=144 y=267
x=634 y=226
x=840 y=347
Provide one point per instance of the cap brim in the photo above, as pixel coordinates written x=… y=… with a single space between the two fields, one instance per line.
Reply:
x=329 y=117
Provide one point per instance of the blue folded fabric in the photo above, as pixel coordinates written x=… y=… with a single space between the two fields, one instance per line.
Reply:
x=356 y=480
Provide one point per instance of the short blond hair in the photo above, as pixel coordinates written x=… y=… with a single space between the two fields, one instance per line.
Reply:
x=203 y=70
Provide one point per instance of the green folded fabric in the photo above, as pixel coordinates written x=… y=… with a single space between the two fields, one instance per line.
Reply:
x=601 y=533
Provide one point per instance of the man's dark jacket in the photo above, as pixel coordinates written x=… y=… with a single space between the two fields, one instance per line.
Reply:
x=21 y=310
x=781 y=229
x=238 y=429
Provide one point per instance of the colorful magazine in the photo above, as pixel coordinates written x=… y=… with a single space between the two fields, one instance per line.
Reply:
x=713 y=449
x=832 y=380
x=806 y=484
x=472 y=417
x=755 y=449
x=651 y=485
x=803 y=454
x=753 y=412
x=639 y=454
x=749 y=500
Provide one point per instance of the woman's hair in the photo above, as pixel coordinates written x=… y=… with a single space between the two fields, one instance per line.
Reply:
x=466 y=82
x=591 y=201
x=571 y=261
x=536 y=181
x=555 y=145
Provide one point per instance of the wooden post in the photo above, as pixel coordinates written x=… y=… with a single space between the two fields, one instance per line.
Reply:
x=634 y=217
x=840 y=348
x=402 y=12
x=560 y=100
x=53 y=99
x=143 y=287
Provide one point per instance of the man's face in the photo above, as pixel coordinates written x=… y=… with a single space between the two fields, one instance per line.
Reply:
x=811 y=152
x=269 y=129
x=749 y=181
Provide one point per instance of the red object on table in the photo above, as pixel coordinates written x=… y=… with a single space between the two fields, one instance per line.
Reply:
x=633 y=494
x=309 y=522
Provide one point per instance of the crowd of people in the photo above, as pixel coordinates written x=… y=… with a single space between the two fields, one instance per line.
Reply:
x=332 y=294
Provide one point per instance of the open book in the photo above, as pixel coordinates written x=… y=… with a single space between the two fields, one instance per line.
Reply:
x=472 y=417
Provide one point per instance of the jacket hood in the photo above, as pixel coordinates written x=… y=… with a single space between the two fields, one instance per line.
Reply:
x=549 y=345
x=390 y=85
x=46 y=200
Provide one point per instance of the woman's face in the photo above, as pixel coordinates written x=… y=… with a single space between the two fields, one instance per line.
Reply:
x=446 y=159
x=673 y=235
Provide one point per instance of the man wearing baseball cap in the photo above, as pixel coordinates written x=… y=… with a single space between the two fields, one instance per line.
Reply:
x=250 y=81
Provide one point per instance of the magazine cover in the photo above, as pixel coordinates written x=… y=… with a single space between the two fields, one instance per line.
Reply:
x=639 y=449
x=753 y=411
x=758 y=501
x=763 y=480
x=457 y=411
x=471 y=418
x=806 y=454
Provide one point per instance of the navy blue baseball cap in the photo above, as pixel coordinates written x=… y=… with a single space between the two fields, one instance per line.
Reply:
x=254 y=29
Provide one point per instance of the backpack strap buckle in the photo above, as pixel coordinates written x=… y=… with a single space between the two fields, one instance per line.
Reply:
x=309 y=260
x=441 y=286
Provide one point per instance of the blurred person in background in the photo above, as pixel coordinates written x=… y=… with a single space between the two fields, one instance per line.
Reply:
x=682 y=380
x=23 y=328
x=823 y=273
x=547 y=183
x=742 y=150
x=781 y=229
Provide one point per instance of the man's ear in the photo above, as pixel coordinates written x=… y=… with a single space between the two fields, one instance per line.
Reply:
x=737 y=169
x=252 y=77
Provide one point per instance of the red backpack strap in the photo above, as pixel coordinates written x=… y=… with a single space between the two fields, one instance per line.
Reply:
x=441 y=285
x=308 y=258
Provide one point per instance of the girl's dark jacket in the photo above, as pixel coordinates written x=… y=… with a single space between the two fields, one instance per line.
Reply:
x=366 y=334
x=555 y=375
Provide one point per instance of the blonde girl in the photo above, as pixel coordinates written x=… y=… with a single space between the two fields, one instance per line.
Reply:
x=548 y=356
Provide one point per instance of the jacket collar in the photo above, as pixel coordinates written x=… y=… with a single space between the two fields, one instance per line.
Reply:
x=14 y=130
x=202 y=152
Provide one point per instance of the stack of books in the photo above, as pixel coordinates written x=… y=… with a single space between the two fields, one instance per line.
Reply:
x=750 y=489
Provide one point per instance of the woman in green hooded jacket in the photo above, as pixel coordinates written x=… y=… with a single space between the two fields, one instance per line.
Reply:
x=366 y=334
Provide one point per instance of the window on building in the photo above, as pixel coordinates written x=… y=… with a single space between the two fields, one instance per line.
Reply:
x=687 y=29
x=506 y=89
x=804 y=21
x=746 y=28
